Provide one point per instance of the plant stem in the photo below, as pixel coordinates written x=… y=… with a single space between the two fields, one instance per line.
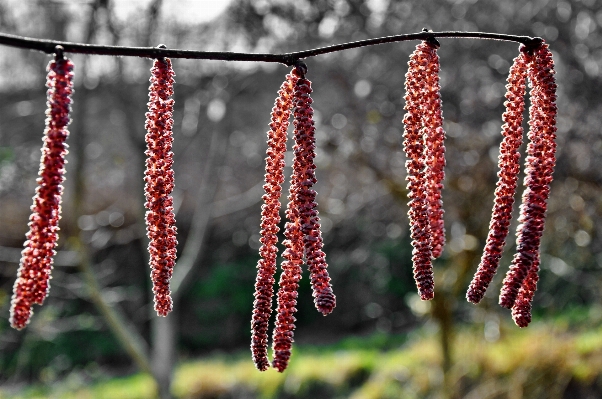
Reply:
x=49 y=47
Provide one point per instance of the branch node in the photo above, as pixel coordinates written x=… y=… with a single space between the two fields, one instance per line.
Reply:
x=289 y=60
x=59 y=53
x=431 y=39
x=532 y=44
x=433 y=42
x=301 y=67
x=162 y=47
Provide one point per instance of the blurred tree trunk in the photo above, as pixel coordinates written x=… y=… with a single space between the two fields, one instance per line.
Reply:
x=57 y=19
x=446 y=292
x=444 y=303
x=153 y=12
x=441 y=310
x=164 y=350
x=164 y=329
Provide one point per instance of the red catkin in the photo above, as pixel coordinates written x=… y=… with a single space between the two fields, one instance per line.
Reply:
x=282 y=338
x=422 y=103
x=270 y=217
x=538 y=173
x=521 y=310
x=33 y=277
x=305 y=178
x=159 y=183
x=435 y=151
x=509 y=167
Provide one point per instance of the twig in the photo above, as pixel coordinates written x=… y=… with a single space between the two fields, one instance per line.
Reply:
x=48 y=47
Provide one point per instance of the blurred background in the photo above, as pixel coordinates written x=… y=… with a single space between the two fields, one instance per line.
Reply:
x=97 y=334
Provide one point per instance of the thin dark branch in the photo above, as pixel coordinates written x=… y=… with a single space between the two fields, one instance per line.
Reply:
x=48 y=47
x=526 y=40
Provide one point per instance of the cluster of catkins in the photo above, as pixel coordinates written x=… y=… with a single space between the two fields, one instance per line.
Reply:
x=302 y=231
x=32 y=284
x=423 y=144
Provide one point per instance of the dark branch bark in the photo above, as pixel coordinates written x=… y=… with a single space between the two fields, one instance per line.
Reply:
x=48 y=47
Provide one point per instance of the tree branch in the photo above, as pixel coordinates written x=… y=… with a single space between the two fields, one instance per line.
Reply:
x=200 y=219
x=125 y=333
x=48 y=47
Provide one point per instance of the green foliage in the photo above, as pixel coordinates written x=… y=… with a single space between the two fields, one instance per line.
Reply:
x=133 y=387
x=544 y=361
x=377 y=341
x=6 y=154
x=221 y=302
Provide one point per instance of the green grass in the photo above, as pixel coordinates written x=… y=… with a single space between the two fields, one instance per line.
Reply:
x=542 y=361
